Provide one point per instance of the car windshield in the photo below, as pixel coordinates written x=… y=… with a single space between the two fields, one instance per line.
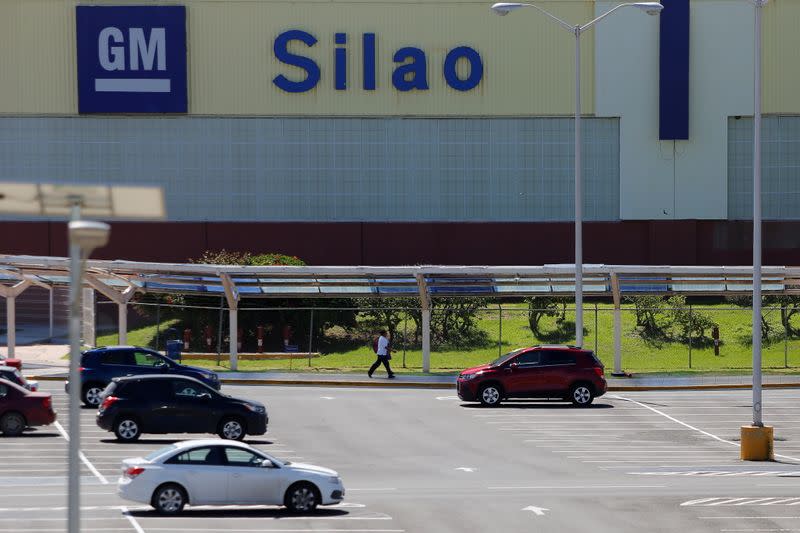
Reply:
x=159 y=452
x=505 y=357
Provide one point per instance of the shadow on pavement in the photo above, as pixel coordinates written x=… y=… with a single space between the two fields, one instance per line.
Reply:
x=536 y=405
x=244 y=513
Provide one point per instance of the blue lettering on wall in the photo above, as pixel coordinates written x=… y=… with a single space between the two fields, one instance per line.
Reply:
x=475 y=68
x=369 y=61
x=340 y=62
x=410 y=72
x=413 y=75
x=281 y=49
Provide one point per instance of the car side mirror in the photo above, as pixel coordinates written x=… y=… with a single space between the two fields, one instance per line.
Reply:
x=204 y=396
x=512 y=367
x=266 y=463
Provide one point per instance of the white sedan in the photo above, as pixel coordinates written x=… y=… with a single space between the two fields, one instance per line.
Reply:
x=216 y=472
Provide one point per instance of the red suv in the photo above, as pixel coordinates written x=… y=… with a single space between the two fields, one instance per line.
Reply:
x=539 y=372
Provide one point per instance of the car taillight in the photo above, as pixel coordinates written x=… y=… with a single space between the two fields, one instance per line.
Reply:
x=47 y=402
x=107 y=401
x=598 y=370
x=81 y=369
x=133 y=471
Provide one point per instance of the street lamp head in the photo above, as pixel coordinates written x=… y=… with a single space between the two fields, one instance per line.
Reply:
x=88 y=235
x=504 y=8
x=651 y=8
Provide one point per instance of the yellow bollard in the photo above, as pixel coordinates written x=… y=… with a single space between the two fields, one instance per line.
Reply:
x=757 y=443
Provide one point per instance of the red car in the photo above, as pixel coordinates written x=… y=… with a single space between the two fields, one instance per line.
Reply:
x=20 y=408
x=559 y=371
x=16 y=363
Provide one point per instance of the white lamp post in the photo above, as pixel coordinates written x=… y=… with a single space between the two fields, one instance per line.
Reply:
x=84 y=238
x=651 y=8
x=757 y=439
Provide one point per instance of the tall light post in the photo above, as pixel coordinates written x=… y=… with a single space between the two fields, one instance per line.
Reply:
x=84 y=238
x=757 y=439
x=651 y=8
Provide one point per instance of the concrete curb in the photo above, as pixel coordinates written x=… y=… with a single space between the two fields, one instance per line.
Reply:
x=429 y=385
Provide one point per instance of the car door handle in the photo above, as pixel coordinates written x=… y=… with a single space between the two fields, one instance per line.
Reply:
x=237 y=475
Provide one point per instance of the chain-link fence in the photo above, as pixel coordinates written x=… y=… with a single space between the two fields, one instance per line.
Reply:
x=698 y=337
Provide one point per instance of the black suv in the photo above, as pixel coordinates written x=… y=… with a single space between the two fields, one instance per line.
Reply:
x=101 y=365
x=176 y=404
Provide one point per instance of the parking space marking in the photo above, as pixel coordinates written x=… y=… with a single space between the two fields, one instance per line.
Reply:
x=723 y=501
x=577 y=487
x=89 y=465
x=132 y=520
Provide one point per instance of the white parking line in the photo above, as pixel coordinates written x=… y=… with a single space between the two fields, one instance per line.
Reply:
x=720 y=439
x=132 y=520
x=91 y=467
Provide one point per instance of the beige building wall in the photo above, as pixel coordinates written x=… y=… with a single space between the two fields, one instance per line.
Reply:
x=780 y=66
x=528 y=59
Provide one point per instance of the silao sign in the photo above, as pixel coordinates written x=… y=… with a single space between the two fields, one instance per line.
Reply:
x=410 y=73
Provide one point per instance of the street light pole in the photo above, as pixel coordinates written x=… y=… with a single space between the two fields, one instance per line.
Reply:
x=73 y=460
x=578 y=197
x=757 y=439
x=651 y=8
x=757 y=421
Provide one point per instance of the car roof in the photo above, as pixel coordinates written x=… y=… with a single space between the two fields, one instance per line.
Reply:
x=119 y=347
x=559 y=347
x=185 y=444
x=140 y=377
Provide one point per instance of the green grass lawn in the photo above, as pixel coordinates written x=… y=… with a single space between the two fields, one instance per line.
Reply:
x=638 y=355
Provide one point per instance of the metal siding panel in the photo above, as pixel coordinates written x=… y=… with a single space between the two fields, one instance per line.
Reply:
x=37 y=57
x=781 y=40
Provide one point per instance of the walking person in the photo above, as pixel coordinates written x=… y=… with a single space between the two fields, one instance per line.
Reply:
x=383 y=354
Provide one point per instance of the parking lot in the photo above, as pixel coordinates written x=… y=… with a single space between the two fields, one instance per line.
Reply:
x=419 y=460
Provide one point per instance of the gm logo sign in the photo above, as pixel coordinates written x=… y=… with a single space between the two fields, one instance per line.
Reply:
x=131 y=59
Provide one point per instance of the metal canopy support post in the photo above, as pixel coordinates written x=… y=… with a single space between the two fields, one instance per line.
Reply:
x=425 y=303
x=11 y=325
x=52 y=290
x=120 y=298
x=232 y=295
x=615 y=293
x=10 y=294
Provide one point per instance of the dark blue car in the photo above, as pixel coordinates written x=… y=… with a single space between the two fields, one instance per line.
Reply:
x=101 y=365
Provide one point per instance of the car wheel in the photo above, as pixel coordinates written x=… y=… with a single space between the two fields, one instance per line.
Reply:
x=169 y=499
x=231 y=429
x=12 y=424
x=490 y=395
x=302 y=497
x=581 y=395
x=127 y=429
x=92 y=395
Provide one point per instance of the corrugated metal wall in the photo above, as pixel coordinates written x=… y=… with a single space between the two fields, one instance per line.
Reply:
x=528 y=60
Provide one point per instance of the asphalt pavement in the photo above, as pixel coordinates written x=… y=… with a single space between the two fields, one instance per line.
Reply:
x=419 y=460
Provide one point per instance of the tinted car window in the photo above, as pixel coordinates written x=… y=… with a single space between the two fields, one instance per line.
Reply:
x=208 y=455
x=156 y=389
x=147 y=359
x=186 y=389
x=3 y=391
x=558 y=357
x=528 y=359
x=116 y=357
x=239 y=457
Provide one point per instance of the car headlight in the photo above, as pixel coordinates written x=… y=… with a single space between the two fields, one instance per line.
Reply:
x=256 y=408
x=467 y=377
x=336 y=480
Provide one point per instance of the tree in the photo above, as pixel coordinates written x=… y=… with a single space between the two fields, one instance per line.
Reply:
x=747 y=301
x=691 y=324
x=385 y=312
x=649 y=314
x=542 y=306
